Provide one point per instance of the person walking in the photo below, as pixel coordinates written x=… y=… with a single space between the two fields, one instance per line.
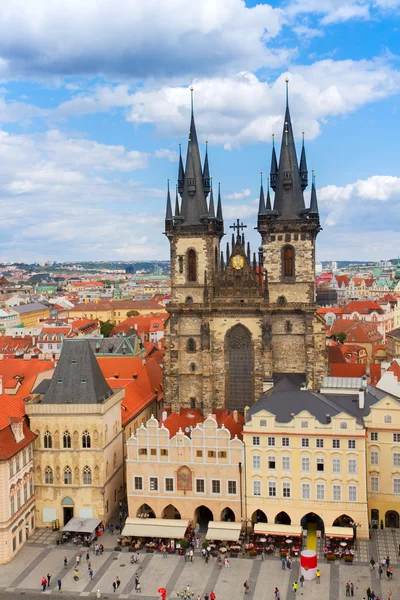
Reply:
x=59 y=583
x=77 y=560
x=372 y=563
x=212 y=595
x=87 y=556
x=191 y=554
x=389 y=594
x=295 y=585
x=373 y=595
x=65 y=562
x=226 y=563
x=277 y=594
x=369 y=593
x=318 y=576
x=390 y=571
x=48 y=579
x=289 y=563
x=302 y=581
x=96 y=549
x=44 y=584
x=114 y=584
x=117 y=579
x=91 y=574
x=347 y=590
x=380 y=571
x=136 y=581
x=283 y=561
x=206 y=596
x=246 y=587
x=352 y=589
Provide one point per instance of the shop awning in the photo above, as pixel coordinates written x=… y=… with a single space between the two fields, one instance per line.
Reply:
x=157 y=528
x=76 y=525
x=223 y=531
x=276 y=529
x=339 y=532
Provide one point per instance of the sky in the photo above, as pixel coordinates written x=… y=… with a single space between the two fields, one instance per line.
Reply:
x=95 y=99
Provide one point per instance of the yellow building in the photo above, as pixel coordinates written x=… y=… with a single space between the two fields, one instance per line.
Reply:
x=114 y=310
x=192 y=476
x=305 y=459
x=383 y=466
x=78 y=452
x=31 y=314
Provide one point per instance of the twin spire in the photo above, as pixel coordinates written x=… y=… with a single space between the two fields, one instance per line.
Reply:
x=194 y=185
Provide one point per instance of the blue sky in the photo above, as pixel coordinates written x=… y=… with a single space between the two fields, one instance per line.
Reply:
x=94 y=100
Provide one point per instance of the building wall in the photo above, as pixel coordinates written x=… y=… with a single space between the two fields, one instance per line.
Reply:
x=383 y=458
x=17 y=525
x=260 y=433
x=32 y=318
x=99 y=499
x=165 y=457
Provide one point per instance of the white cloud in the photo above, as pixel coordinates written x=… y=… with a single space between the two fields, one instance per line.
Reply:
x=307 y=32
x=243 y=109
x=170 y=155
x=54 y=38
x=332 y=11
x=245 y=193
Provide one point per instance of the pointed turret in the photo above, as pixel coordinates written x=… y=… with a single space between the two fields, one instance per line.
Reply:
x=168 y=212
x=313 y=212
x=274 y=165
x=194 y=205
x=261 y=203
x=177 y=212
x=211 y=209
x=219 y=205
x=289 y=199
x=268 y=202
x=206 y=174
x=181 y=172
x=303 y=166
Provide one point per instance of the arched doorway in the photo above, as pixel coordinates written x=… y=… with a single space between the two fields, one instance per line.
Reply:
x=170 y=512
x=239 y=362
x=227 y=515
x=283 y=518
x=343 y=521
x=259 y=516
x=203 y=516
x=145 y=511
x=68 y=509
x=392 y=519
x=313 y=521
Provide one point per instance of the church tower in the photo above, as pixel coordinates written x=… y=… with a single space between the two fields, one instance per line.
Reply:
x=217 y=343
x=288 y=233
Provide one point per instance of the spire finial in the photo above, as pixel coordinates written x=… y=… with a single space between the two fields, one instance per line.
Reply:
x=302 y=133
x=191 y=97
x=287 y=90
x=313 y=177
x=261 y=174
x=273 y=140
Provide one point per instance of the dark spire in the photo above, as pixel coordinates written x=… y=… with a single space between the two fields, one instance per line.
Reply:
x=289 y=199
x=274 y=165
x=206 y=174
x=227 y=252
x=248 y=251
x=313 y=203
x=168 y=212
x=222 y=261
x=268 y=203
x=219 y=205
x=177 y=212
x=181 y=172
x=194 y=204
x=261 y=204
x=211 y=209
x=303 y=167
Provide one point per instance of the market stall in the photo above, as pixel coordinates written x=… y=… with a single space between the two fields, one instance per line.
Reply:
x=223 y=537
x=80 y=531
x=268 y=536
x=153 y=534
x=339 y=543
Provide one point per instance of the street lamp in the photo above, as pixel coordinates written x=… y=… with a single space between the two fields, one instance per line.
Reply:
x=246 y=521
x=355 y=526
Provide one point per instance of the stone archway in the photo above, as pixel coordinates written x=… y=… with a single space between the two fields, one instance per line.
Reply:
x=203 y=516
x=283 y=518
x=259 y=516
x=228 y=515
x=312 y=520
x=170 y=512
x=392 y=519
x=239 y=370
x=145 y=509
x=343 y=521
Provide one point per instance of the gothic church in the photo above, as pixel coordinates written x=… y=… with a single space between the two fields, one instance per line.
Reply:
x=239 y=322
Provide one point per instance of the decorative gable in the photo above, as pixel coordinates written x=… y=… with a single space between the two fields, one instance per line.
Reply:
x=17 y=431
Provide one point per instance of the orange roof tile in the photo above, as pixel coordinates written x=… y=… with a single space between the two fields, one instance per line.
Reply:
x=120 y=367
x=364 y=307
x=8 y=445
x=348 y=370
x=375 y=370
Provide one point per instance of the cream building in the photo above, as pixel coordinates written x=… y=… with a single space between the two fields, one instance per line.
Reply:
x=196 y=477
x=78 y=452
x=305 y=458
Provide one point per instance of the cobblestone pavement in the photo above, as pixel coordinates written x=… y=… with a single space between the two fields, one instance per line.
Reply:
x=40 y=556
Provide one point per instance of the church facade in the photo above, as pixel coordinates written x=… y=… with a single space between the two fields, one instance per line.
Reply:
x=239 y=320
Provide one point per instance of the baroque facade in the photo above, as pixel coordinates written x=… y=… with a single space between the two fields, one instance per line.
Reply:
x=238 y=321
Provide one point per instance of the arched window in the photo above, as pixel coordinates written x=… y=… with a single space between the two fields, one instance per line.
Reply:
x=191 y=345
x=67 y=476
x=86 y=439
x=87 y=476
x=48 y=475
x=192 y=367
x=288 y=327
x=288 y=262
x=115 y=461
x=47 y=440
x=192 y=265
x=189 y=300
x=66 y=439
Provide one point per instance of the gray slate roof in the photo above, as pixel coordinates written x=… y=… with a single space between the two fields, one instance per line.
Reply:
x=27 y=308
x=115 y=346
x=77 y=378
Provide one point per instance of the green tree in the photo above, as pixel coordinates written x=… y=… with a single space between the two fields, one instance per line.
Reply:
x=339 y=337
x=106 y=327
x=132 y=313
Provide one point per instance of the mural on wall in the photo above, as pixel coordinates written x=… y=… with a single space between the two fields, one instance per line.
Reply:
x=184 y=479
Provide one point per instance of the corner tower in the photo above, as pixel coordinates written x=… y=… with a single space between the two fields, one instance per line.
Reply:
x=289 y=232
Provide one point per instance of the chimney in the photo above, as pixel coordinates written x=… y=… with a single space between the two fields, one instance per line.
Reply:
x=164 y=416
x=235 y=416
x=246 y=410
x=361 y=398
x=364 y=382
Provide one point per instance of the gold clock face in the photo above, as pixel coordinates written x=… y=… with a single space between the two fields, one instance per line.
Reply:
x=238 y=262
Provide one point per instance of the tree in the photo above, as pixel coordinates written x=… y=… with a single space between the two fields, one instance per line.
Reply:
x=339 y=337
x=132 y=313
x=106 y=327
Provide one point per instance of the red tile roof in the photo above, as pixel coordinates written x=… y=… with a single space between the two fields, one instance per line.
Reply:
x=356 y=331
x=375 y=370
x=363 y=307
x=348 y=370
x=335 y=354
x=121 y=367
x=395 y=368
x=8 y=445
x=329 y=309
x=342 y=279
x=116 y=305
x=141 y=324
x=136 y=399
